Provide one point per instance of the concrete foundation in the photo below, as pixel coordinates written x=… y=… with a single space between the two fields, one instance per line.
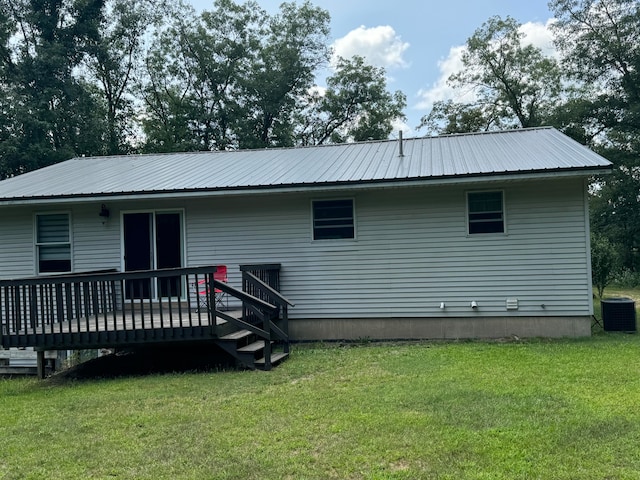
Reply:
x=438 y=328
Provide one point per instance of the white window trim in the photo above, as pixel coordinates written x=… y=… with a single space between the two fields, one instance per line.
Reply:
x=330 y=240
x=37 y=245
x=504 y=213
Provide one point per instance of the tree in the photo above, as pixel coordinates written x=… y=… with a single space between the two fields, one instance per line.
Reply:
x=514 y=84
x=604 y=262
x=113 y=61
x=48 y=114
x=447 y=117
x=598 y=40
x=293 y=46
x=192 y=91
x=356 y=106
x=231 y=77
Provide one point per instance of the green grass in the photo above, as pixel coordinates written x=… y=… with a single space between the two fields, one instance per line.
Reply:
x=564 y=409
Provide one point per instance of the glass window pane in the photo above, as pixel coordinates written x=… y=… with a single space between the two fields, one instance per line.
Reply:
x=53 y=243
x=333 y=219
x=485 y=212
x=53 y=228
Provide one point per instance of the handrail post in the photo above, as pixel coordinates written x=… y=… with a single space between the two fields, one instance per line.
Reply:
x=211 y=300
x=285 y=327
x=267 y=342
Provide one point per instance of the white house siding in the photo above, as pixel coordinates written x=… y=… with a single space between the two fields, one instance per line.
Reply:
x=411 y=254
x=16 y=243
x=95 y=244
x=96 y=240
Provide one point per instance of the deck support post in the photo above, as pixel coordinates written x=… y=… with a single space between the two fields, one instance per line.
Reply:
x=40 y=363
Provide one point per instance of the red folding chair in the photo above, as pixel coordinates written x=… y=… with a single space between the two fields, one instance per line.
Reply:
x=221 y=298
x=200 y=290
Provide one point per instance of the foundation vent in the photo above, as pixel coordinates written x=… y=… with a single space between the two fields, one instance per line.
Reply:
x=512 y=304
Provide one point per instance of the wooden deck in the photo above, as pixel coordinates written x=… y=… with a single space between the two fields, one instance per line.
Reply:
x=124 y=328
x=112 y=310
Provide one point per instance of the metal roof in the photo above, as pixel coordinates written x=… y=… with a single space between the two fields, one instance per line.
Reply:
x=530 y=152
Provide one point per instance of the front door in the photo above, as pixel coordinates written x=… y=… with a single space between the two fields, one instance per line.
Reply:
x=152 y=240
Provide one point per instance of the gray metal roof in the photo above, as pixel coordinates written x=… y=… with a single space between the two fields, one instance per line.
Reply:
x=428 y=159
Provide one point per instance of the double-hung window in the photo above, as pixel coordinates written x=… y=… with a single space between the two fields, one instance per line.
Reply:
x=333 y=219
x=486 y=212
x=53 y=243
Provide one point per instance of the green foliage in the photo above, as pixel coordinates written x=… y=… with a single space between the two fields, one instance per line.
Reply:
x=99 y=77
x=626 y=278
x=604 y=262
x=293 y=46
x=355 y=107
x=598 y=39
x=194 y=70
x=231 y=77
x=463 y=410
x=514 y=84
x=47 y=112
x=447 y=117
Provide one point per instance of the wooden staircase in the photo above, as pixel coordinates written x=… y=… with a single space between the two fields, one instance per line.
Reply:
x=258 y=338
x=249 y=351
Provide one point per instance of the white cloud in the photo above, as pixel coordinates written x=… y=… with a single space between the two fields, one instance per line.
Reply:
x=380 y=46
x=537 y=34
x=398 y=125
x=439 y=90
x=541 y=36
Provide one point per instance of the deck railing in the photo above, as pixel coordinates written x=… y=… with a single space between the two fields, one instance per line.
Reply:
x=263 y=281
x=104 y=308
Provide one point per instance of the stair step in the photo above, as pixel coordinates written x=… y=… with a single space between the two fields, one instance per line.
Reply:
x=275 y=358
x=238 y=335
x=253 y=347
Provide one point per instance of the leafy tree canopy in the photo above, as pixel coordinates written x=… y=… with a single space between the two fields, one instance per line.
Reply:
x=513 y=84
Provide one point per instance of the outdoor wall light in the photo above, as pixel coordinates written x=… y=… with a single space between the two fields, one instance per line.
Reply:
x=104 y=212
x=442 y=305
x=474 y=304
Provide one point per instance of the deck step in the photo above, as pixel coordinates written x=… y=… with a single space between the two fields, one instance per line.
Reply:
x=253 y=347
x=275 y=359
x=238 y=335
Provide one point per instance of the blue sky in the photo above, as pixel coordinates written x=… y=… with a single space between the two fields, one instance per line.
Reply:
x=419 y=42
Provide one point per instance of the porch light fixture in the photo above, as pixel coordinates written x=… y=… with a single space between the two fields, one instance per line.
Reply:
x=104 y=211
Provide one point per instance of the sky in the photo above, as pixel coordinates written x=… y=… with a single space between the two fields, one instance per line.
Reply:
x=418 y=42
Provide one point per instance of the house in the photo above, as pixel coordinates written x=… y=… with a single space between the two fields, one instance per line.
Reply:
x=475 y=235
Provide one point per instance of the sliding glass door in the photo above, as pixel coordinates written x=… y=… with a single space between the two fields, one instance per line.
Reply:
x=153 y=240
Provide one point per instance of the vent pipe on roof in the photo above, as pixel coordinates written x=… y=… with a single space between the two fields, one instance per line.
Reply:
x=400 y=148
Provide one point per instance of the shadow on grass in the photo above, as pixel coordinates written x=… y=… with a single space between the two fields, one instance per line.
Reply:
x=149 y=361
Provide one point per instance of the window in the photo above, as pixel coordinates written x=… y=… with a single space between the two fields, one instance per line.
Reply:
x=333 y=219
x=486 y=213
x=53 y=243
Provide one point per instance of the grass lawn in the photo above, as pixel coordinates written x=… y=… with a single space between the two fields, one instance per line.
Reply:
x=563 y=409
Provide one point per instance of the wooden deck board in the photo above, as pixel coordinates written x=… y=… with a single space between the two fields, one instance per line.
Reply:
x=118 y=328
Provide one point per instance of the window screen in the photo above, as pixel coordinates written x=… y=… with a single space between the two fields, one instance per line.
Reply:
x=485 y=212
x=53 y=243
x=333 y=219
